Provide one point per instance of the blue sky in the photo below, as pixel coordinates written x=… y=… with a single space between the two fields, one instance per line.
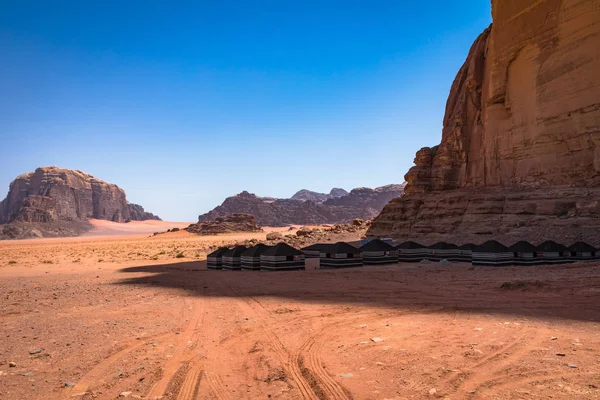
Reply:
x=184 y=103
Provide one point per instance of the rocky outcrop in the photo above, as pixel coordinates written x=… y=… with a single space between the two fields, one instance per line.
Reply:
x=307 y=195
x=520 y=148
x=362 y=203
x=137 y=213
x=229 y=224
x=52 y=195
x=520 y=151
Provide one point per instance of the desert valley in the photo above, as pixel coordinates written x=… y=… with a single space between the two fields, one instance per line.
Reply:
x=474 y=276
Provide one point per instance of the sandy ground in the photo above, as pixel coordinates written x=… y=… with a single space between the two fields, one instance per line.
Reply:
x=123 y=316
x=109 y=228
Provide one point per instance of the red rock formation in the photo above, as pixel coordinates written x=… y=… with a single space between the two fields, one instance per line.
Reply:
x=51 y=195
x=520 y=149
x=229 y=224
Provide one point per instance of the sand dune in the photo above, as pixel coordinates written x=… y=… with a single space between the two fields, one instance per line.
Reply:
x=109 y=228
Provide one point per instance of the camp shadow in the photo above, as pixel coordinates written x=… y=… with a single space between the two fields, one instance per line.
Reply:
x=559 y=291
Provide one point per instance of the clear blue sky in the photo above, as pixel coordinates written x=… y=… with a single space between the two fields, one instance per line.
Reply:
x=184 y=103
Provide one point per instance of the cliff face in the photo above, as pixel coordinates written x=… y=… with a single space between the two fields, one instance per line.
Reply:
x=52 y=194
x=520 y=148
x=361 y=203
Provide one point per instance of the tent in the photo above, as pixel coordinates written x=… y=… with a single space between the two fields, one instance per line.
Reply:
x=443 y=250
x=215 y=259
x=411 y=252
x=315 y=250
x=251 y=257
x=582 y=251
x=551 y=252
x=524 y=253
x=378 y=252
x=491 y=253
x=466 y=251
x=281 y=257
x=340 y=255
x=232 y=258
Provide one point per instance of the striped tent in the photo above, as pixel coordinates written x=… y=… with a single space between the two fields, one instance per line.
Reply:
x=491 y=253
x=315 y=250
x=466 y=251
x=281 y=257
x=378 y=252
x=582 y=251
x=551 y=252
x=232 y=258
x=340 y=255
x=524 y=253
x=411 y=252
x=215 y=259
x=251 y=257
x=442 y=250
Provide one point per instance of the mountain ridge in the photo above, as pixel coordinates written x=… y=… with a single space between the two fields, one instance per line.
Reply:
x=364 y=203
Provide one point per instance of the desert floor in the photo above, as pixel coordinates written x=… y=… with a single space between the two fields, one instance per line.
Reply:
x=109 y=316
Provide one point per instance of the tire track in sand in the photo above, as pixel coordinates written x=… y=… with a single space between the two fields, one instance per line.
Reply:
x=97 y=375
x=287 y=359
x=182 y=352
x=491 y=368
x=191 y=382
x=312 y=361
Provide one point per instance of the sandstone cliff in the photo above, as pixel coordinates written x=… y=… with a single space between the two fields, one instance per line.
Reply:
x=520 y=149
x=362 y=203
x=52 y=195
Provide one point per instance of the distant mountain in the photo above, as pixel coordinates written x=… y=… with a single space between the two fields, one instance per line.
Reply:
x=308 y=195
x=307 y=207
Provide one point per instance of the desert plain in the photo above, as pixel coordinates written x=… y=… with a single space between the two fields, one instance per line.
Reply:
x=123 y=314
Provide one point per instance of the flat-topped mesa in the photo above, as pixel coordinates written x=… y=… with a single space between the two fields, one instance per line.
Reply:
x=52 y=195
x=520 y=148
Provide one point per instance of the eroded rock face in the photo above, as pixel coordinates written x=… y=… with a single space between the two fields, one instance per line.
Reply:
x=521 y=137
x=52 y=194
x=229 y=224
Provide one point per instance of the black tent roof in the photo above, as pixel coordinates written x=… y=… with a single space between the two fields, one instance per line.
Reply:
x=282 y=249
x=318 y=247
x=235 y=252
x=582 y=247
x=522 y=246
x=443 y=246
x=467 y=246
x=377 y=245
x=491 y=246
x=255 y=250
x=218 y=252
x=342 y=247
x=551 y=246
x=410 y=245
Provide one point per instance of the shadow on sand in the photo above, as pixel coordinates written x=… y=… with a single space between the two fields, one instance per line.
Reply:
x=564 y=291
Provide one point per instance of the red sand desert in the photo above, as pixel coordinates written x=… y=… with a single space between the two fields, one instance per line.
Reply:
x=121 y=317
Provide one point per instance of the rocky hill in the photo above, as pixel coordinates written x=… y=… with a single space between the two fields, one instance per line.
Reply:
x=54 y=201
x=228 y=224
x=362 y=203
x=520 y=150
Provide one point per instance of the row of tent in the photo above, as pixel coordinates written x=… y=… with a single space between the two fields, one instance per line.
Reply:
x=376 y=251
x=493 y=252
x=260 y=257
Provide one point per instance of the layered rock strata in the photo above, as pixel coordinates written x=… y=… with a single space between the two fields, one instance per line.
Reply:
x=520 y=148
x=52 y=195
